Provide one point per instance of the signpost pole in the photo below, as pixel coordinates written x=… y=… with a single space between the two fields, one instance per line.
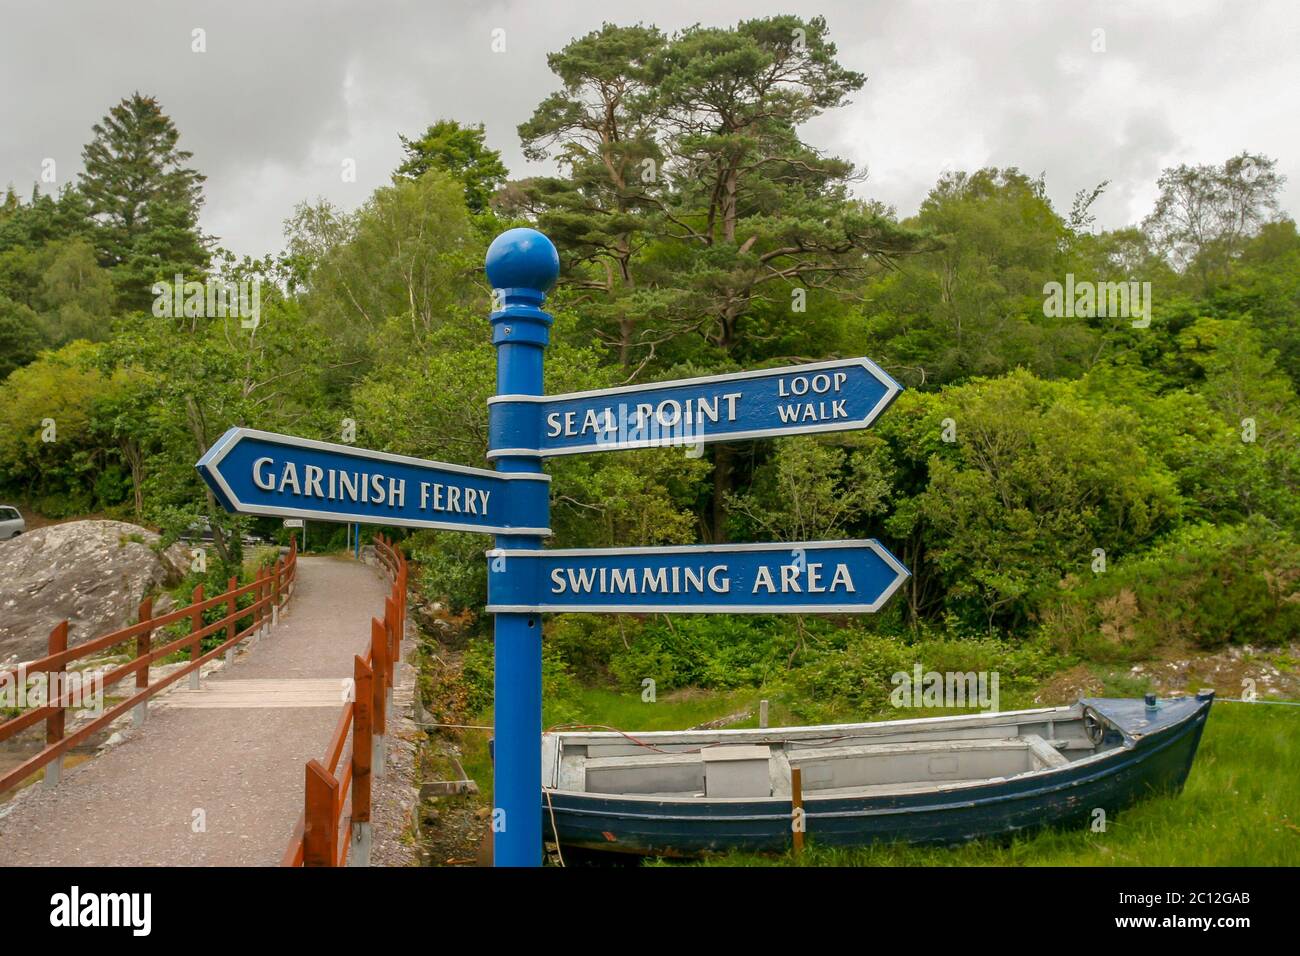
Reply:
x=522 y=265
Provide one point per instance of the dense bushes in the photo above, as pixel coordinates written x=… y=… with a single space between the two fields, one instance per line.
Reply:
x=451 y=567
x=557 y=681
x=1205 y=585
x=821 y=670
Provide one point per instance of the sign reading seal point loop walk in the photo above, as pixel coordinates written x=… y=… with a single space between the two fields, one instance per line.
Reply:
x=833 y=396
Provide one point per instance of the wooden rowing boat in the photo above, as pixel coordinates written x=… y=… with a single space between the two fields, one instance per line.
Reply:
x=940 y=780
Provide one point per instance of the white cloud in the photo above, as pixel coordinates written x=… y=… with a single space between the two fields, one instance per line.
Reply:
x=286 y=91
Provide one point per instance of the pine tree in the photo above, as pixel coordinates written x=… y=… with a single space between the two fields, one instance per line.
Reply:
x=144 y=199
x=461 y=152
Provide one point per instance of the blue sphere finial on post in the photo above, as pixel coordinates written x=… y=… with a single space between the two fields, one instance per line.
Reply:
x=522 y=259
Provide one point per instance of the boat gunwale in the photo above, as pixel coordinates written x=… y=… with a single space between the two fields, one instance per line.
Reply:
x=580 y=737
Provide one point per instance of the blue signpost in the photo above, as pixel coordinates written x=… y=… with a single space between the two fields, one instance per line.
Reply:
x=266 y=474
x=522 y=265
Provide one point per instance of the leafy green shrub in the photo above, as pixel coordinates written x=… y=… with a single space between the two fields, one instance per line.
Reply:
x=588 y=642
x=476 y=674
x=558 y=684
x=714 y=651
x=112 y=485
x=453 y=567
x=858 y=676
x=1206 y=585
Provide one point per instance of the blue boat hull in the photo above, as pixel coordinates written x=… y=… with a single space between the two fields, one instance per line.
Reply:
x=1154 y=762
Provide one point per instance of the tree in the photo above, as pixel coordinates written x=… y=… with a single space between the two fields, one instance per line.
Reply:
x=974 y=305
x=75 y=293
x=387 y=277
x=1264 y=291
x=692 y=208
x=1038 y=477
x=199 y=376
x=47 y=442
x=144 y=199
x=460 y=152
x=601 y=126
x=812 y=490
x=20 y=339
x=1205 y=213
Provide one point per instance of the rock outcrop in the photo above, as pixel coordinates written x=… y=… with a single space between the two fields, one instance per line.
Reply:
x=93 y=573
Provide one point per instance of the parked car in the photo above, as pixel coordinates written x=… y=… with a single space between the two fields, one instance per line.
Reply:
x=11 y=522
x=200 y=532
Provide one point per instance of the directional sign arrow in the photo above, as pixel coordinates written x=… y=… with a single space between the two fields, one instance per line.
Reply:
x=262 y=473
x=798 y=399
x=801 y=578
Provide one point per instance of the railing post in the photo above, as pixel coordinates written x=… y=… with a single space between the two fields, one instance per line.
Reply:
x=54 y=687
x=362 y=727
x=143 y=644
x=231 y=608
x=379 y=667
x=320 y=830
x=275 y=591
x=258 y=594
x=394 y=644
x=265 y=597
x=196 y=625
x=798 y=820
x=401 y=598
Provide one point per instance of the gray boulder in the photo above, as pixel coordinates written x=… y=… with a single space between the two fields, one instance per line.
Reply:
x=93 y=573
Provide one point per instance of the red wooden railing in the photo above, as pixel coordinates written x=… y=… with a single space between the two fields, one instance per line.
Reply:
x=272 y=588
x=333 y=803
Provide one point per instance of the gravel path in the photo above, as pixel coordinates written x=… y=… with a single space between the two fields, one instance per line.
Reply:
x=209 y=786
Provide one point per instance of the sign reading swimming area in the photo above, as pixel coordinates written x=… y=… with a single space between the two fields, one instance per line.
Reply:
x=800 y=578
x=798 y=399
x=262 y=473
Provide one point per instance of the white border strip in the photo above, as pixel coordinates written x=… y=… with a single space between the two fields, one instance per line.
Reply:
x=238 y=434
x=866 y=363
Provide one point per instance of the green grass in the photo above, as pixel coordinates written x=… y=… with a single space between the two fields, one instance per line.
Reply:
x=1241 y=807
x=622 y=709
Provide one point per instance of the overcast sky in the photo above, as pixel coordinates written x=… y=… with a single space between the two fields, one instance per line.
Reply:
x=286 y=91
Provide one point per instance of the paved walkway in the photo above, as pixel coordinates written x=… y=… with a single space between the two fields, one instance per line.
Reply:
x=230 y=756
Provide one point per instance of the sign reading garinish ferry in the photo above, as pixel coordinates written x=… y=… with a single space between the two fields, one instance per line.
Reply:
x=798 y=399
x=801 y=578
x=262 y=473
